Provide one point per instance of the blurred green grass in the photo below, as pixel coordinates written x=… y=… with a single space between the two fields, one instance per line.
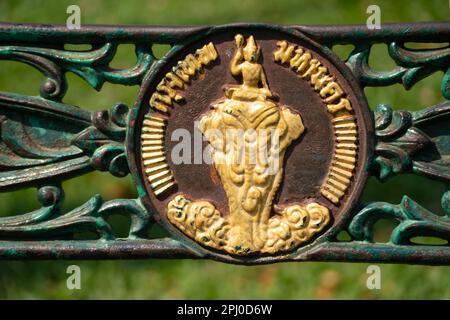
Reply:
x=205 y=279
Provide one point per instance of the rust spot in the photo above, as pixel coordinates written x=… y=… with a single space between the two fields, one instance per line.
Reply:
x=214 y=177
x=406 y=204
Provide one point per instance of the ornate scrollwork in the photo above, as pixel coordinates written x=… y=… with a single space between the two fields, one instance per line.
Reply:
x=407 y=142
x=50 y=139
x=43 y=140
x=92 y=66
x=412 y=66
x=49 y=222
x=412 y=142
x=414 y=220
x=103 y=140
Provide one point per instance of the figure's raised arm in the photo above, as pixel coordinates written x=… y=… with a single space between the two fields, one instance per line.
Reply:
x=235 y=62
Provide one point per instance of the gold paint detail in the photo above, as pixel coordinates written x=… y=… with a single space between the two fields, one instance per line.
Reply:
x=154 y=159
x=344 y=158
x=168 y=90
x=338 y=105
x=286 y=230
x=253 y=224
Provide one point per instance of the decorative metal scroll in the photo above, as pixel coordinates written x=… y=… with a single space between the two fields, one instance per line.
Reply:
x=246 y=76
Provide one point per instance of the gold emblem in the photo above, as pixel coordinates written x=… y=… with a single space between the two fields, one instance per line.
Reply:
x=254 y=223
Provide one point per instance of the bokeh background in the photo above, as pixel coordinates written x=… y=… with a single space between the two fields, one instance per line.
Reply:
x=187 y=279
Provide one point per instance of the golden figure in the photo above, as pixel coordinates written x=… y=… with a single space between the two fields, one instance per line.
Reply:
x=252 y=73
x=252 y=177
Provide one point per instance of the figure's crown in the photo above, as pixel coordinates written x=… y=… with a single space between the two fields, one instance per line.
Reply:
x=251 y=49
x=251 y=45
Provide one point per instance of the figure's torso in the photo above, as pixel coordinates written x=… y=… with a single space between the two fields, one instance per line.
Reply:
x=251 y=74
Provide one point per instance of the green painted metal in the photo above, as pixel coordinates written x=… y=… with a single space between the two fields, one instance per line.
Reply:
x=44 y=141
x=49 y=221
x=414 y=221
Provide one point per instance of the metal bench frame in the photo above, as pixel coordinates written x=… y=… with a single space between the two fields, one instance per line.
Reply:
x=403 y=144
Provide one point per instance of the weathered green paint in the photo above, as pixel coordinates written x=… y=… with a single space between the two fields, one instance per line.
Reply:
x=414 y=220
x=92 y=216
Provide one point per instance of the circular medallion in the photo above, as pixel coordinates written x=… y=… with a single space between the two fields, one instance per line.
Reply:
x=250 y=142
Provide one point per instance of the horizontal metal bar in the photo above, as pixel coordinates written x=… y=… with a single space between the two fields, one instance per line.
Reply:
x=388 y=32
x=164 y=248
x=380 y=253
x=43 y=33
x=171 y=249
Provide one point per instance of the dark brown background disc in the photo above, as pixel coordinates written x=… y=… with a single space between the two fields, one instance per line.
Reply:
x=308 y=159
